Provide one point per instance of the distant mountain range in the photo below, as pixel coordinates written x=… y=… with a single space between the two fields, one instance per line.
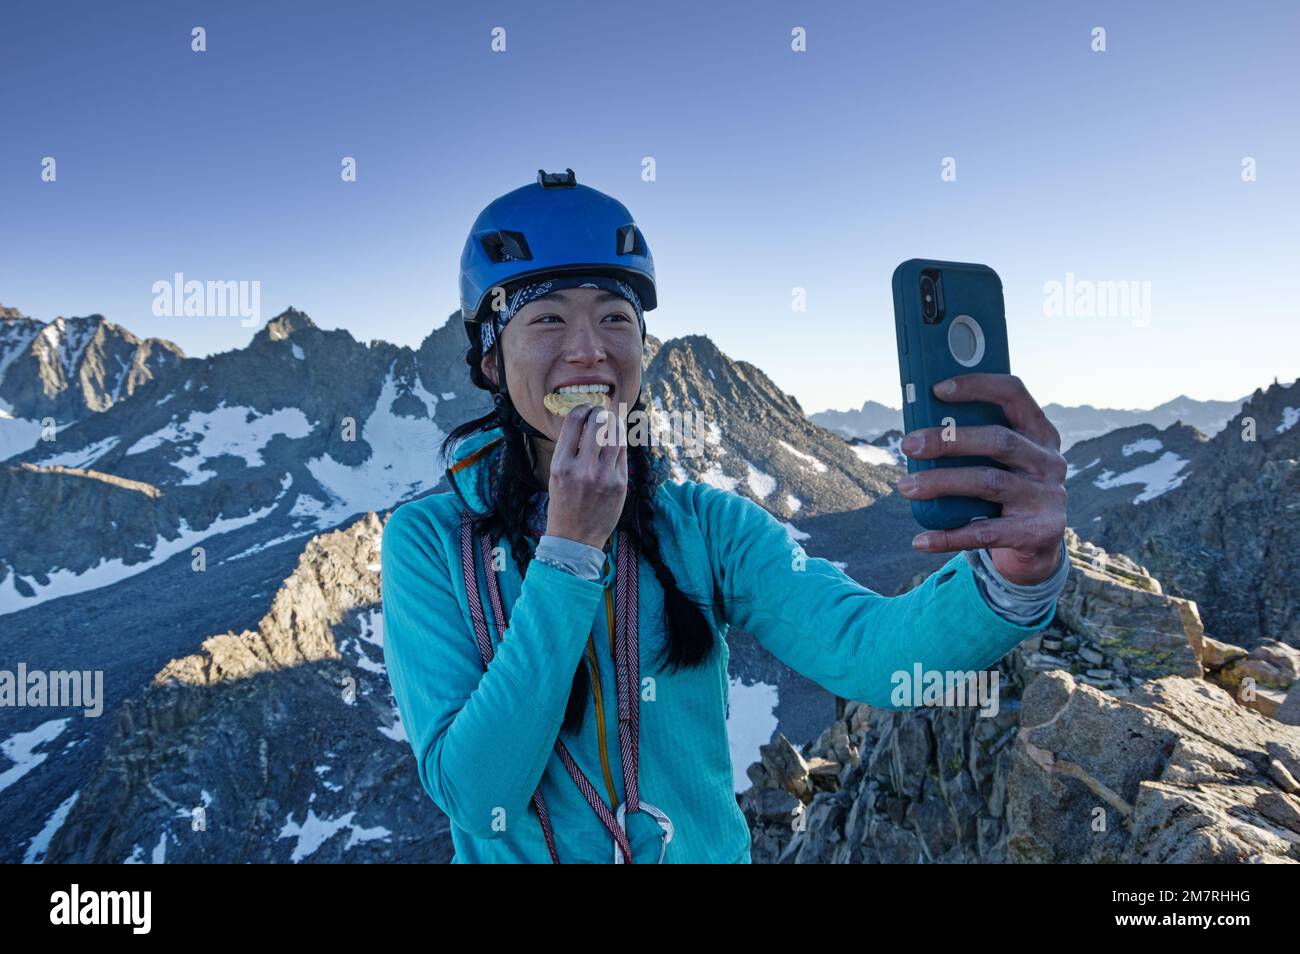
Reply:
x=1212 y=513
x=66 y=370
x=1075 y=423
x=870 y=420
x=1217 y=519
x=181 y=508
x=205 y=532
x=260 y=437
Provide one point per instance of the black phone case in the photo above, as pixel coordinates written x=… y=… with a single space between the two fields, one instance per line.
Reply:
x=925 y=359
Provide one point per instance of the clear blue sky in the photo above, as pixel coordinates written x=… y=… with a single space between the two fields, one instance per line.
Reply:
x=775 y=169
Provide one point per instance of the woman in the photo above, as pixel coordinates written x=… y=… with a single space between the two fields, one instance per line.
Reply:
x=595 y=729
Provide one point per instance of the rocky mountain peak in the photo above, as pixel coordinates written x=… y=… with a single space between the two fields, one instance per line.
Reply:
x=708 y=373
x=289 y=322
x=1275 y=410
x=71 y=367
x=729 y=411
x=1214 y=518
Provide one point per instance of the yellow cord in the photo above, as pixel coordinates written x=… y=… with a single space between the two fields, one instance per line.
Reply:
x=594 y=666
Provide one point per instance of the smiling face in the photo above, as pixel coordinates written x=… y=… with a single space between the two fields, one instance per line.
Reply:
x=571 y=337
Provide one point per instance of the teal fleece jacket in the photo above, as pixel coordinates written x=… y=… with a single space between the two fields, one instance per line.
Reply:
x=483 y=741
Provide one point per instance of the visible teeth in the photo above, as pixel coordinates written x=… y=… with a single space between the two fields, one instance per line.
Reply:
x=562 y=404
x=583 y=389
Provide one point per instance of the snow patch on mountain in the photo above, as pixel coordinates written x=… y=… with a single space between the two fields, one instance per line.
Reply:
x=157 y=857
x=817 y=465
x=267 y=544
x=751 y=720
x=870 y=454
x=1071 y=470
x=372 y=634
x=1147 y=445
x=315 y=830
x=333 y=787
x=64 y=342
x=20 y=749
x=239 y=431
x=1289 y=416
x=367 y=651
x=16 y=338
x=83 y=457
x=762 y=484
x=402 y=462
x=17 y=434
x=795 y=533
x=40 y=843
x=714 y=476
x=679 y=472
x=107 y=572
x=1160 y=476
x=123 y=372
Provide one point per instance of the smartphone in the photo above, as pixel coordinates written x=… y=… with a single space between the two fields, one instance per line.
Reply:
x=949 y=320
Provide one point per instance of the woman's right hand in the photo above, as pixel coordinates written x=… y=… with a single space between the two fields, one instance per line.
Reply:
x=588 y=482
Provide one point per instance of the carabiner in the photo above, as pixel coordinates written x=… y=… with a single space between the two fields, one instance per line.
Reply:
x=665 y=823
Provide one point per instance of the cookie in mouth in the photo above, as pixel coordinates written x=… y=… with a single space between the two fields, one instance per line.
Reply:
x=563 y=401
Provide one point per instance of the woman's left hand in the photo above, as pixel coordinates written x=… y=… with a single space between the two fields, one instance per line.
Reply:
x=1025 y=541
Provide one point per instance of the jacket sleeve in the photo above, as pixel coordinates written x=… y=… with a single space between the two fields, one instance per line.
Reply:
x=481 y=739
x=842 y=635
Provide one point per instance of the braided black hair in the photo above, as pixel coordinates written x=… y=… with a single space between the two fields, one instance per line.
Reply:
x=690 y=638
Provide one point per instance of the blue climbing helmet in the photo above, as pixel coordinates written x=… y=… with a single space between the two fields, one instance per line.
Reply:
x=551 y=226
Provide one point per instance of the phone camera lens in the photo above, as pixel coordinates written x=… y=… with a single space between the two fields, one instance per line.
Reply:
x=927 y=298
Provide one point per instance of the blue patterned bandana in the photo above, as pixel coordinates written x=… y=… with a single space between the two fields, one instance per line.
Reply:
x=519 y=295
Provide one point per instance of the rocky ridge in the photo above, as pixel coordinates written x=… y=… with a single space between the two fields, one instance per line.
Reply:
x=1107 y=744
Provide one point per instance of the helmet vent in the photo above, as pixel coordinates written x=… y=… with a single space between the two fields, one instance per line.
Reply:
x=506 y=246
x=630 y=241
